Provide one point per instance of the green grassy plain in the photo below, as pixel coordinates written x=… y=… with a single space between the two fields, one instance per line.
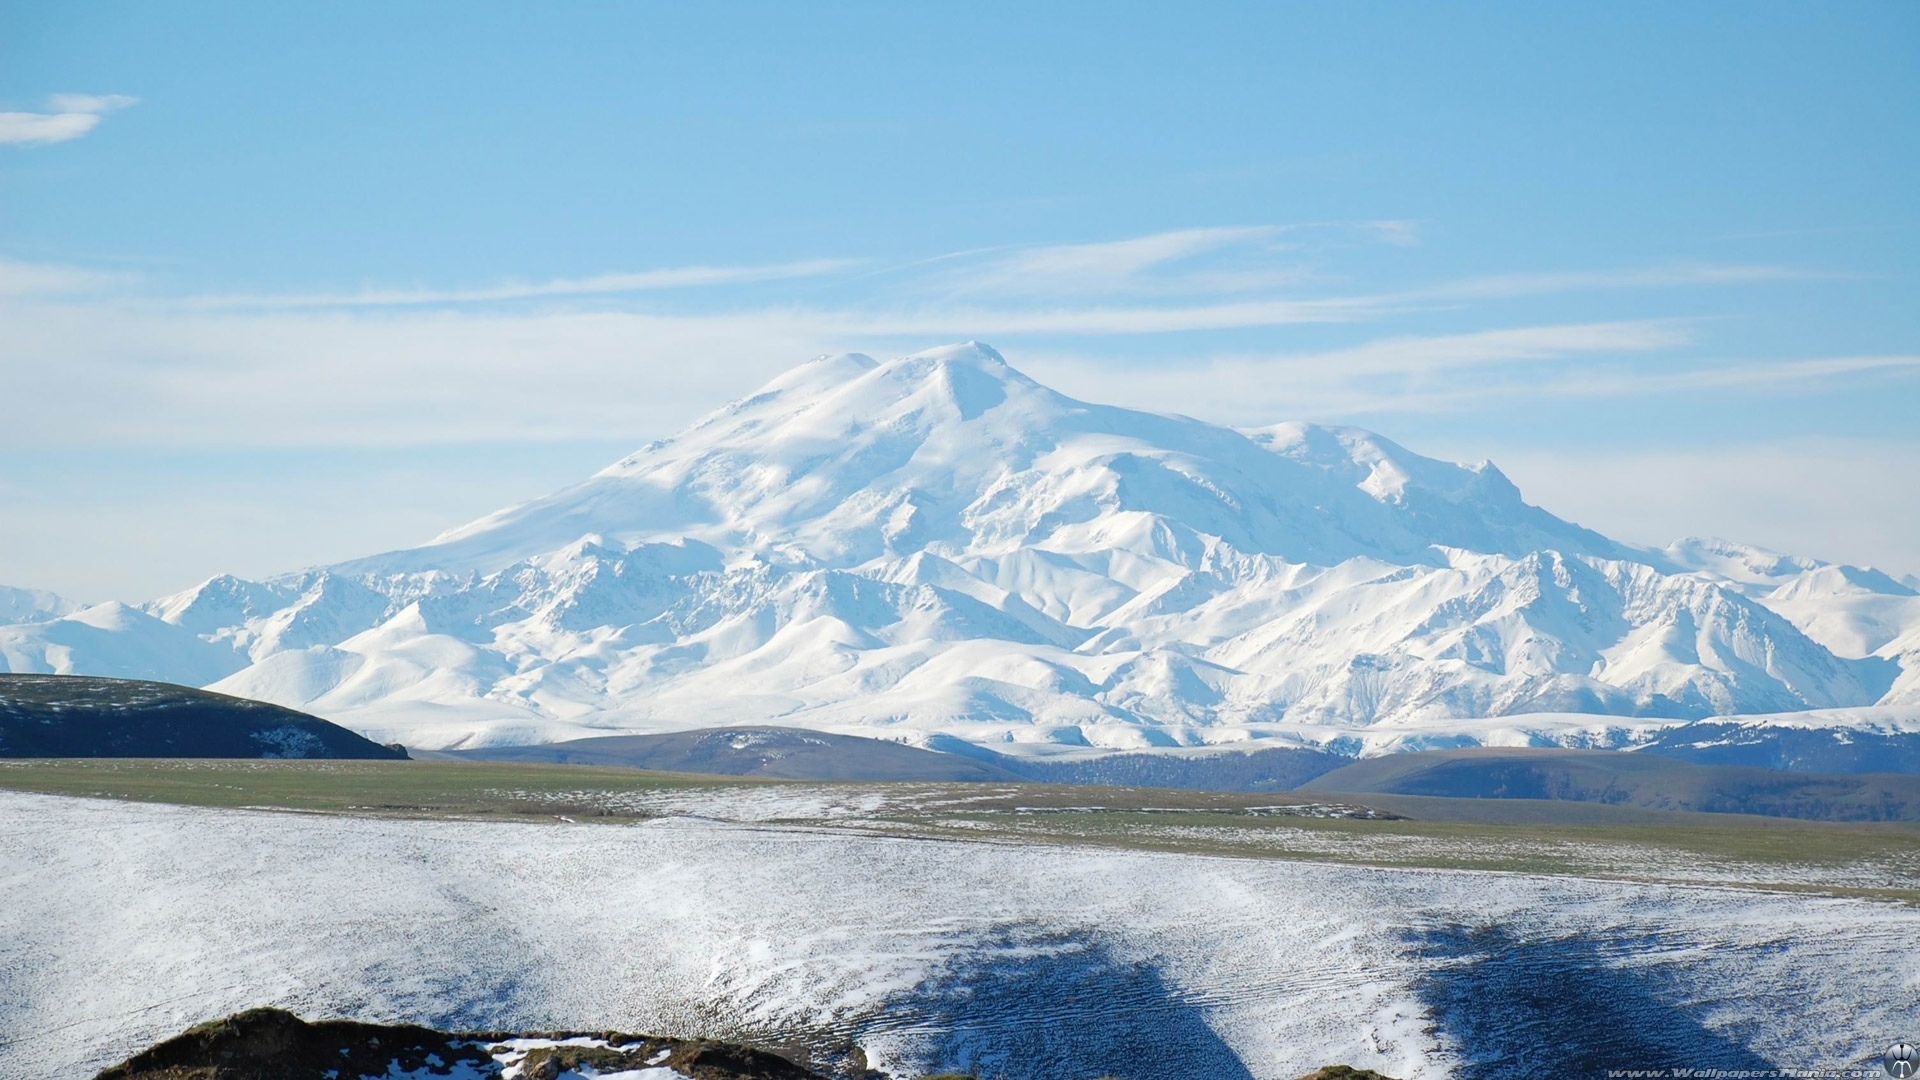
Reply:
x=396 y=788
x=1526 y=836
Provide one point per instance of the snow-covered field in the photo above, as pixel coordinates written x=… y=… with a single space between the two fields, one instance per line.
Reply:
x=125 y=922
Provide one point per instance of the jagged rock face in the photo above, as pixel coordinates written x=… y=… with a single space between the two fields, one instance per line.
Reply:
x=939 y=544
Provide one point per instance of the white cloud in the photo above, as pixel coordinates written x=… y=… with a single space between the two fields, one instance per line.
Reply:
x=1102 y=320
x=44 y=279
x=107 y=370
x=390 y=367
x=89 y=362
x=1232 y=259
x=1654 y=277
x=73 y=115
x=1425 y=355
x=1400 y=372
x=1397 y=233
x=1100 y=267
x=115 y=374
x=598 y=285
x=90 y=103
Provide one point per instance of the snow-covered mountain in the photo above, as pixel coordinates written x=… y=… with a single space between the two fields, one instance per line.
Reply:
x=938 y=545
x=32 y=605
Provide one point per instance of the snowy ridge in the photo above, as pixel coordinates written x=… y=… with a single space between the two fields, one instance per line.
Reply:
x=32 y=605
x=938 y=545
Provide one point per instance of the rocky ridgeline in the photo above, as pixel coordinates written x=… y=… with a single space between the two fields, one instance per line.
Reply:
x=272 y=1044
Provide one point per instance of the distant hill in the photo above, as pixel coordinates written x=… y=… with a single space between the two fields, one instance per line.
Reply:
x=1628 y=779
x=773 y=752
x=1272 y=769
x=1799 y=749
x=82 y=716
x=800 y=754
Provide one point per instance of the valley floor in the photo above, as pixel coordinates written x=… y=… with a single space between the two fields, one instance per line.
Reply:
x=1020 y=932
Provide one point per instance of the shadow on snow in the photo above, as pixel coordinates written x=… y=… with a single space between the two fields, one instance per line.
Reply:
x=1058 y=1008
x=1562 y=1007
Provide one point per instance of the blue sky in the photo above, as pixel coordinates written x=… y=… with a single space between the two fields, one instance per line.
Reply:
x=286 y=284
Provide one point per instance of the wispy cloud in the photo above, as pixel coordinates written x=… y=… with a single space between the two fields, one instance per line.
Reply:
x=89 y=358
x=70 y=116
x=1726 y=375
x=1217 y=260
x=1402 y=372
x=1654 y=277
x=1098 y=320
x=1451 y=373
x=1100 y=267
x=1397 y=233
x=1432 y=354
x=598 y=285
x=19 y=278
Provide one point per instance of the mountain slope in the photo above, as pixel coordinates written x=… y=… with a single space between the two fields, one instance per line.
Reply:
x=940 y=545
x=780 y=753
x=32 y=605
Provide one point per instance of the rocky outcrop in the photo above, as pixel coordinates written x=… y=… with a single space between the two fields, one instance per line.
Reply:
x=272 y=1044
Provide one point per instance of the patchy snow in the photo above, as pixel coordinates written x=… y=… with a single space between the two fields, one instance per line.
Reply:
x=127 y=922
x=511 y=1053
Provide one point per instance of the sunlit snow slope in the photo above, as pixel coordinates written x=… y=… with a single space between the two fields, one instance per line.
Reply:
x=939 y=544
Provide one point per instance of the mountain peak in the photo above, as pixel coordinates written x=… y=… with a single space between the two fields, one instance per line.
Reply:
x=940 y=541
x=972 y=353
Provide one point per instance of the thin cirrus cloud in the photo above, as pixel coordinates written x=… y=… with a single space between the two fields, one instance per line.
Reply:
x=69 y=116
x=1216 y=276
x=1094 y=321
x=24 y=279
x=458 y=363
x=597 y=285
x=1695 y=378
x=1395 y=373
x=1652 y=277
x=1229 y=259
x=1450 y=372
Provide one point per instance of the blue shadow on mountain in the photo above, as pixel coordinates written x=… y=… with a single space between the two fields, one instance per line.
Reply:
x=1559 y=1007
x=1057 y=1008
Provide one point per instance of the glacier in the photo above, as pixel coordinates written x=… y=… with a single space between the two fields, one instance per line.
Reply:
x=938 y=546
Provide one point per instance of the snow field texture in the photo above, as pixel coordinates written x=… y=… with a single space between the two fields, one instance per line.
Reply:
x=127 y=922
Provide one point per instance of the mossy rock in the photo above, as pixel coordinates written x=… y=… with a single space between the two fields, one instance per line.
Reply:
x=273 y=1044
x=1344 y=1072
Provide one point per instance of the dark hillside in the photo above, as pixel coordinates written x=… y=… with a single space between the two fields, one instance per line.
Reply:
x=83 y=716
x=773 y=752
x=1638 y=779
x=798 y=754
x=1824 y=750
x=1274 y=769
